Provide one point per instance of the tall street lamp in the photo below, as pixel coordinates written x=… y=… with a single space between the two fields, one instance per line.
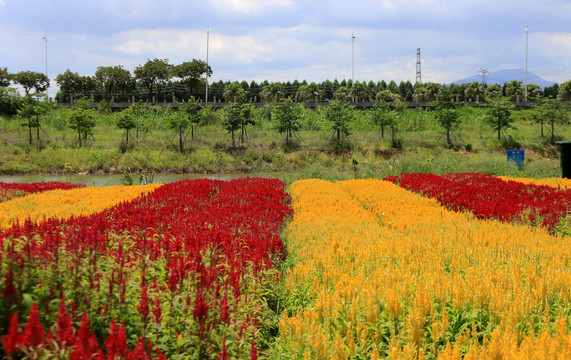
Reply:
x=352 y=59
x=45 y=37
x=526 y=35
x=207 y=44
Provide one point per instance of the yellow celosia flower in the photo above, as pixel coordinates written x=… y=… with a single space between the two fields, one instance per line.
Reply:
x=63 y=204
x=554 y=182
x=375 y=256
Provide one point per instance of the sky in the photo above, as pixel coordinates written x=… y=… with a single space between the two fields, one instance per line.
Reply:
x=284 y=40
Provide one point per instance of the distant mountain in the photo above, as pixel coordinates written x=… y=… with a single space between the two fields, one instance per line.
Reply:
x=503 y=76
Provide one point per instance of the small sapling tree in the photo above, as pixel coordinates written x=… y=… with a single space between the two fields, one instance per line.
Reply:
x=30 y=111
x=179 y=122
x=236 y=116
x=191 y=110
x=446 y=113
x=287 y=116
x=381 y=116
x=552 y=112
x=126 y=121
x=339 y=114
x=245 y=120
x=499 y=115
x=82 y=120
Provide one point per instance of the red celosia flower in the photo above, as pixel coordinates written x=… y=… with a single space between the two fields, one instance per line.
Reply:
x=254 y=352
x=116 y=342
x=64 y=330
x=143 y=307
x=14 y=338
x=34 y=331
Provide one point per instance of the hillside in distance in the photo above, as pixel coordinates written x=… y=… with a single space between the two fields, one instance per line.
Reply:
x=503 y=76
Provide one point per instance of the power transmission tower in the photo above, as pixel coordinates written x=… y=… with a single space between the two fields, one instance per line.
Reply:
x=418 y=77
x=483 y=71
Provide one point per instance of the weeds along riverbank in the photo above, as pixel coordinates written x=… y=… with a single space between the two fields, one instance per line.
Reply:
x=419 y=145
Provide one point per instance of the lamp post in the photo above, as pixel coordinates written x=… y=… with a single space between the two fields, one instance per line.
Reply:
x=526 y=35
x=45 y=37
x=352 y=59
x=207 y=44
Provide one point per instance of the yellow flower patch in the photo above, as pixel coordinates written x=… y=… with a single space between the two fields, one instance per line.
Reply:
x=554 y=182
x=63 y=204
x=387 y=272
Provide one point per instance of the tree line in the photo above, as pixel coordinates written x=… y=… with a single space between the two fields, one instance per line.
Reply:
x=158 y=80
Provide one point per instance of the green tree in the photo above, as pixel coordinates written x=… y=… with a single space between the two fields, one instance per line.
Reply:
x=446 y=113
x=87 y=85
x=311 y=92
x=154 y=74
x=342 y=93
x=10 y=101
x=81 y=120
x=126 y=121
x=179 y=122
x=339 y=114
x=533 y=92
x=358 y=91
x=69 y=83
x=139 y=110
x=475 y=90
x=235 y=92
x=191 y=110
x=4 y=77
x=272 y=92
x=387 y=96
x=246 y=119
x=499 y=115
x=381 y=115
x=232 y=119
x=393 y=87
x=114 y=79
x=514 y=89
x=552 y=112
x=564 y=92
x=254 y=90
x=192 y=74
x=551 y=91
x=30 y=111
x=427 y=92
x=493 y=90
x=399 y=108
x=287 y=116
x=31 y=79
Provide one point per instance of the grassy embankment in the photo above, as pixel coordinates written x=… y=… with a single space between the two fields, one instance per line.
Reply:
x=423 y=150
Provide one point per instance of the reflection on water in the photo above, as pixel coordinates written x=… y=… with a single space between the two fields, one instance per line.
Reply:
x=108 y=180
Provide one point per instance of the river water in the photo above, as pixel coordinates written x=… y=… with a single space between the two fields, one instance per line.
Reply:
x=108 y=180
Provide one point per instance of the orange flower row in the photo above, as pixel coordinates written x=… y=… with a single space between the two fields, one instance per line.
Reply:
x=64 y=204
x=381 y=271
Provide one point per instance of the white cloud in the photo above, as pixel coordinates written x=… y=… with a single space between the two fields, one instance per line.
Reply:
x=178 y=46
x=2 y=3
x=250 y=6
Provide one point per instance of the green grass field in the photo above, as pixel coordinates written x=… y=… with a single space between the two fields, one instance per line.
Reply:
x=424 y=149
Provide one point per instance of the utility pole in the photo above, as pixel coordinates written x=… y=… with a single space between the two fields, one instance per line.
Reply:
x=526 y=34
x=418 y=76
x=207 y=44
x=353 y=59
x=45 y=37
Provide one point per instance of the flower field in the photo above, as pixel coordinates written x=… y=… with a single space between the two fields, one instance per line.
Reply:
x=62 y=203
x=387 y=273
x=413 y=267
x=9 y=191
x=181 y=271
x=490 y=197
